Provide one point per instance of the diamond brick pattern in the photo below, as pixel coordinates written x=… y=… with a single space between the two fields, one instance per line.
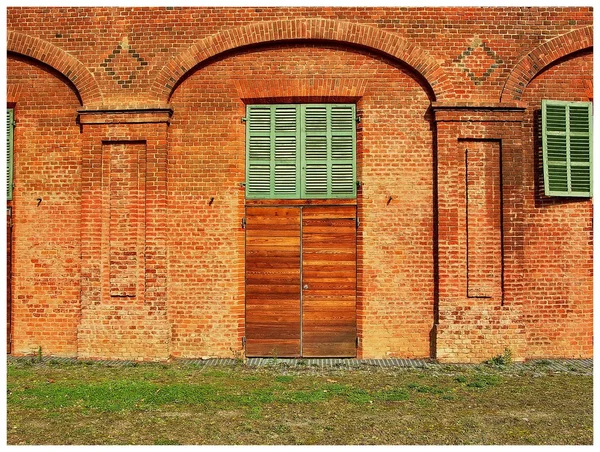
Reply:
x=123 y=64
x=479 y=61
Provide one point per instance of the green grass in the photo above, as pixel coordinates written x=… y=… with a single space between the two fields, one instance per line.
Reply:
x=158 y=404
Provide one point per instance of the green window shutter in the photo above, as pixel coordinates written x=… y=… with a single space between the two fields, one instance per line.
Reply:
x=300 y=151
x=272 y=151
x=315 y=144
x=343 y=151
x=286 y=151
x=567 y=148
x=329 y=151
x=9 y=153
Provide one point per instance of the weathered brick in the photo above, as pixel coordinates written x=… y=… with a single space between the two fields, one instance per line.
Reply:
x=459 y=253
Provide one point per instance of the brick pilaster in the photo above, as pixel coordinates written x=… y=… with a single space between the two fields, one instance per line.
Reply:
x=124 y=269
x=479 y=314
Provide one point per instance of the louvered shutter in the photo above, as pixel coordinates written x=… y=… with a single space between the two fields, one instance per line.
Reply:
x=329 y=151
x=9 y=153
x=320 y=139
x=272 y=151
x=567 y=148
x=315 y=151
x=343 y=150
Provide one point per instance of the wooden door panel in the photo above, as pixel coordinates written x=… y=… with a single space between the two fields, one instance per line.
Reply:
x=316 y=349
x=327 y=258
x=278 y=347
x=329 y=281
x=273 y=281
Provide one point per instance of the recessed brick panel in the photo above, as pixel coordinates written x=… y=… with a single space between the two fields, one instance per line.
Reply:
x=127 y=219
x=484 y=219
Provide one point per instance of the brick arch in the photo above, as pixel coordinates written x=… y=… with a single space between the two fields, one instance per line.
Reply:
x=541 y=57
x=364 y=36
x=58 y=59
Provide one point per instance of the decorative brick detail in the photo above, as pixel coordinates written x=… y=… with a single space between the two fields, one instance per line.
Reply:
x=543 y=56
x=480 y=59
x=348 y=33
x=58 y=59
x=123 y=64
x=131 y=327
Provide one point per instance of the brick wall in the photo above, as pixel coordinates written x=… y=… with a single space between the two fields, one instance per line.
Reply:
x=558 y=248
x=123 y=277
x=206 y=161
x=130 y=131
x=46 y=210
x=159 y=34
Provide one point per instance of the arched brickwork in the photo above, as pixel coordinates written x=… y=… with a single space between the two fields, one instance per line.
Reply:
x=58 y=59
x=369 y=37
x=542 y=56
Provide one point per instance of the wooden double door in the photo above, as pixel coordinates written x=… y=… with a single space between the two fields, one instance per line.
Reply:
x=301 y=281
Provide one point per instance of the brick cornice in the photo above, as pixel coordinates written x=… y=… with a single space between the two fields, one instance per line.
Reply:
x=58 y=59
x=365 y=36
x=542 y=56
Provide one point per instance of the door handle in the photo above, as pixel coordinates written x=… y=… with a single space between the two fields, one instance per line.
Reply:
x=305 y=286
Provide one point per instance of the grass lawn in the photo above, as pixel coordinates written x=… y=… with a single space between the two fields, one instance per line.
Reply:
x=181 y=403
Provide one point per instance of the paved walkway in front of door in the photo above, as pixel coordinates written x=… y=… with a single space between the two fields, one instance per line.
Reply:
x=579 y=366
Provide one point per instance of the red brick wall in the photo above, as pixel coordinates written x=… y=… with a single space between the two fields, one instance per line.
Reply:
x=46 y=266
x=206 y=160
x=159 y=34
x=142 y=264
x=558 y=247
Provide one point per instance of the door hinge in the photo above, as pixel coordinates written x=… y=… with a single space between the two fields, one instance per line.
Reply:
x=357 y=341
x=243 y=222
x=357 y=223
x=243 y=341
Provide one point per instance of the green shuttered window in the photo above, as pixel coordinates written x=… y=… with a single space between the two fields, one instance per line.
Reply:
x=296 y=151
x=9 y=152
x=567 y=148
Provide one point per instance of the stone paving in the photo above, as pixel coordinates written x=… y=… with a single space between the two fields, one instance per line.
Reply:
x=580 y=366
